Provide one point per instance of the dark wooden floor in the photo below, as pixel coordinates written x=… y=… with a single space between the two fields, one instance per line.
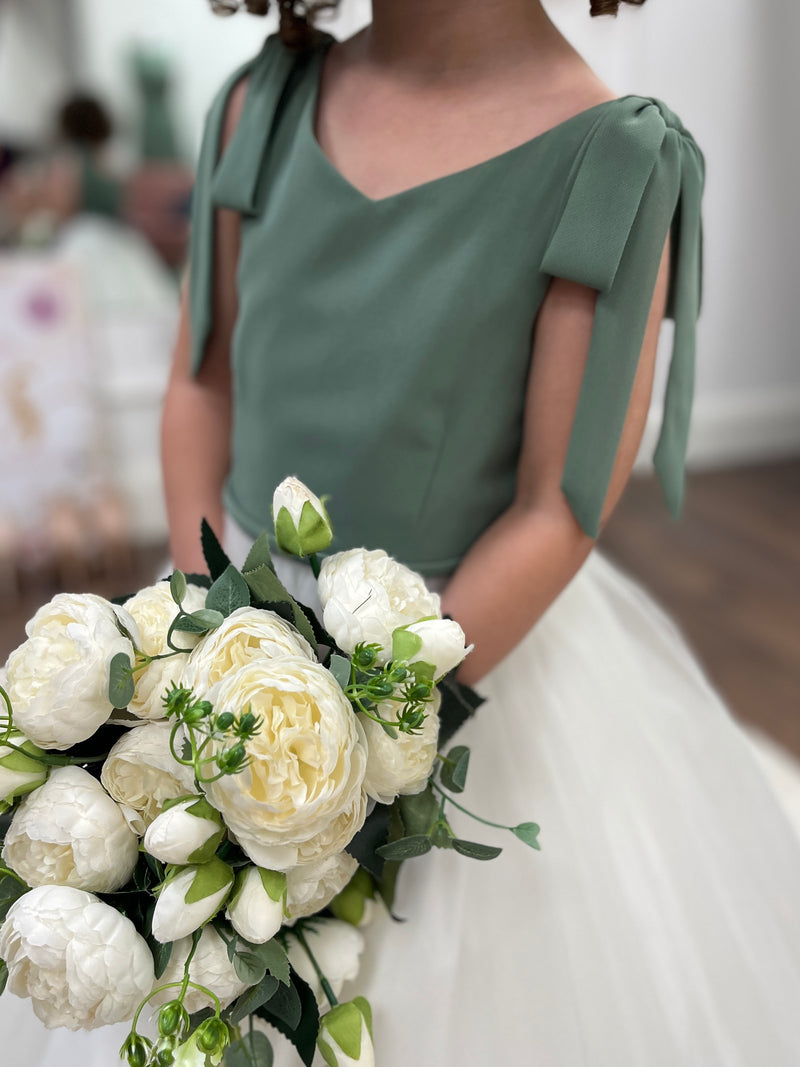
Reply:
x=728 y=571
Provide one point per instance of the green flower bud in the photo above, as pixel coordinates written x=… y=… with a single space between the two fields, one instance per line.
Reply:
x=212 y=1036
x=302 y=526
x=171 y=1017
x=365 y=656
x=136 y=1050
x=225 y=721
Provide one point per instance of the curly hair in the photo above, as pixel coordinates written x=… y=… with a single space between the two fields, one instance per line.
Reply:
x=297 y=16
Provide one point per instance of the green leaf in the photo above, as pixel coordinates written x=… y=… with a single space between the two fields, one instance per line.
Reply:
x=161 y=954
x=340 y=669
x=260 y=555
x=3 y=975
x=229 y=592
x=253 y=1049
x=459 y=703
x=529 y=833
x=454 y=772
x=265 y=585
x=121 y=685
x=254 y=998
x=373 y=834
x=406 y=848
x=177 y=586
x=248 y=967
x=215 y=558
x=198 y=622
x=474 y=850
x=303 y=1033
x=419 y=811
x=303 y=625
x=441 y=835
x=273 y=956
x=405 y=645
x=285 y=1005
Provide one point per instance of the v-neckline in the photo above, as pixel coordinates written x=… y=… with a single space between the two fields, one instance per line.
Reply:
x=309 y=128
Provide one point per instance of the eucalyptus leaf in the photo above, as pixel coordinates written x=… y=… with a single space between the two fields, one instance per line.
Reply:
x=177 y=586
x=454 y=772
x=419 y=812
x=199 y=622
x=273 y=956
x=340 y=669
x=251 y=1000
x=406 y=848
x=474 y=850
x=121 y=685
x=529 y=833
x=213 y=553
x=248 y=967
x=253 y=1049
x=229 y=592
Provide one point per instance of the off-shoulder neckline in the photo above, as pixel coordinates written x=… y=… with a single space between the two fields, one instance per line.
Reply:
x=309 y=130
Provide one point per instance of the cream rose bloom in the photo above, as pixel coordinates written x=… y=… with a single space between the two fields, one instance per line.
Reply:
x=210 y=967
x=70 y=832
x=154 y=610
x=400 y=765
x=300 y=799
x=81 y=962
x=141 y=772
x=58 y=678
x=366 y=595
x=310 y=889
x=246 y=635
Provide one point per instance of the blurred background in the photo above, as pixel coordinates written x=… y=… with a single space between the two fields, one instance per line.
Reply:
x=101 y=109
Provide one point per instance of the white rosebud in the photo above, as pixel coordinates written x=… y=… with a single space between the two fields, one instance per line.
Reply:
x=190 y=831
x=154 y=610
x=337 y=948
x=20 y=771
x=246 y=635
x=190 y=897
x=141 y=772
x=80 y=961
x=439 y=642
x=311 y=888
x=300 y=798
x=209 y=967
x=401 y=765
x=58 y=678
x=345 y=1035
x=255 y=909
x=70 y=832
x=302 y=526
x=366 y=595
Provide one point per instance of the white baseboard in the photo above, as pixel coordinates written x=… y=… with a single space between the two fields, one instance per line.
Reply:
x=734 y=429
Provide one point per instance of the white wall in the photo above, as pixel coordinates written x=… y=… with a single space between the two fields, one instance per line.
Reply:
x=726 y=69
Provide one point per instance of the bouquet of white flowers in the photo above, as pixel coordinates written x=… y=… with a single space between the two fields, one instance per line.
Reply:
x=207 y=789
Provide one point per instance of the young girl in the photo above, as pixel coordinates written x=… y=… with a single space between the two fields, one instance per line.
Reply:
x=428 y=269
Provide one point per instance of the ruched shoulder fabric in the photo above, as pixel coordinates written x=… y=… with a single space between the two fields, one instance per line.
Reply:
x=638 y=176
x=231 y=180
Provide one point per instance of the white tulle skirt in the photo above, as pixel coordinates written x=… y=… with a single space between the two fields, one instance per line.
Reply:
x=658 y=927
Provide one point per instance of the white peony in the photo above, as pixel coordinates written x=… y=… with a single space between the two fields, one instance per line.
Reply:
x=190 y=897
x=154 y=610
x=400 y=765
x=246 y=635
x=302 y=526
x=255 y=908
x=345 y=1035
x=20 y=771
x=82 y=963
x=58 y=678
x=190 y=831
x=310 y=889
x=337 y=948
x=366 y=595
x=141 y=772
x=443 y=645
x=210 y=967
x=71 y=833
x=300 y=798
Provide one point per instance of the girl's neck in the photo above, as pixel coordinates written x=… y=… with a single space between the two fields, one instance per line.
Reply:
x=448 y=39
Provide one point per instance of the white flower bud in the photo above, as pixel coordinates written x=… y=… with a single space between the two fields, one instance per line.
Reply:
x=20 y=772
x=209 y=967
x=302 y=526
x=256 y=905
x=190 y=897
x=439 y=642
x=189 y=831
x=345 y=1035
x=71 y=833
x=337 y=947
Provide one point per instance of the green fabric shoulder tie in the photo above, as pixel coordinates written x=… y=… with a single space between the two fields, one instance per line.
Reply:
x=233 y=180
x=639 y=174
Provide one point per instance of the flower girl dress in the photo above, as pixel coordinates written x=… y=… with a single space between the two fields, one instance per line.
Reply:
x=380 y=355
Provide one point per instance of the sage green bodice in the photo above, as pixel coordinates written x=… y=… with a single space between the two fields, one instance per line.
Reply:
x=382 y=347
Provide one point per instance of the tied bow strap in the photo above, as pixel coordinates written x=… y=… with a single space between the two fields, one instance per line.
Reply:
x=639 y=174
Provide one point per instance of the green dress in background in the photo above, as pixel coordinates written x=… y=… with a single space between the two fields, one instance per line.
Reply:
x=382 y=346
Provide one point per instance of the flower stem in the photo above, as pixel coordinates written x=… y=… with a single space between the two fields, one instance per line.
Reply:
x=472 y=815
x=6 y=871
x=323 y=981
x=313 y=561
